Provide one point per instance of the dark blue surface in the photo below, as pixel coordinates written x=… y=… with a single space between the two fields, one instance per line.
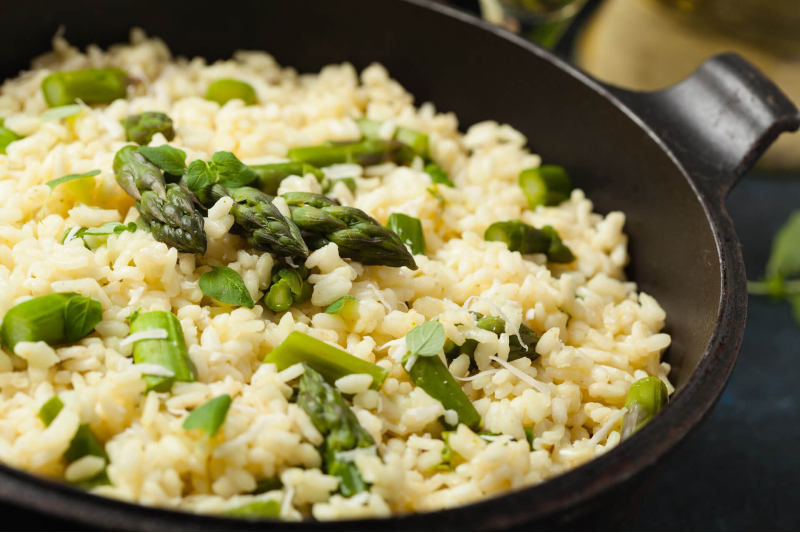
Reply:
x=741 y=469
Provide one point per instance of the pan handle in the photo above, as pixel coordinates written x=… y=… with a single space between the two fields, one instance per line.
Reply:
x=718 y=121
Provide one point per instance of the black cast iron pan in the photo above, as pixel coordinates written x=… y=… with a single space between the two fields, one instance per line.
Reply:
x=666 y=159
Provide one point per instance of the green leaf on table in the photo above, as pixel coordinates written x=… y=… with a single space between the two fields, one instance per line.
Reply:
x=57 y=113
x=169 y=159
x=199 y=176
x=784 y=259
x=225 y=285
x=438 y=175
x=209 y=416
x=339 y=304
x=426 y=340
x=230 y=171
x=81 y=315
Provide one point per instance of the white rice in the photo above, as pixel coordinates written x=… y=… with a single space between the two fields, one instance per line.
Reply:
x=599 y=334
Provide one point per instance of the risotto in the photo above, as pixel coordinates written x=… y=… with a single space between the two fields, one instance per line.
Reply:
x=393 y=326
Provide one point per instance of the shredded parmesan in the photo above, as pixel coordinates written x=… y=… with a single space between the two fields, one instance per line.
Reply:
x=71 y=234
x=398 y=354
x=410 y=362
x=151 y=369
x=286 y=505
x=144 y=335
x=380 y=296
x=351 y=455
x=492 y=438
x=451 y=417
x=290 y=262
x=536 y=384
x=607 y=427
x=479 y=374
x=514 y=329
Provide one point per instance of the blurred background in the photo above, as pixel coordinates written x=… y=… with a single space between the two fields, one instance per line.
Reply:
x=740 y=471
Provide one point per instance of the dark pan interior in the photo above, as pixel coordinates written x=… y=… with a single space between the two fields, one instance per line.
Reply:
x=460 y=68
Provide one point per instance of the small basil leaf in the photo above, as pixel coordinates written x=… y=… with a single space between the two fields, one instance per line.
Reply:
x=784 y=259
x=169 y=159
x=73 y=233
x=426 y=340
x=199 y=176
x=57 y=113
x=438 y=175
x=231 y=171
x=70 y=177
x=224 y=284
x=209 y=416
x=338 y=305
x=109 y=228
x=81 y=315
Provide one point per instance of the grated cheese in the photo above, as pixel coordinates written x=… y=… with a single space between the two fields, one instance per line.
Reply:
x=410 y=362
x=479 y=374
x=607 y=427
x=151 y=334
x=153 y=370
x=536 y=384
x=509 y=324
x=380 y=296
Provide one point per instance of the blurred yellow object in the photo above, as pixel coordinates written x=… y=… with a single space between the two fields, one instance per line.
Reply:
x=650 y=44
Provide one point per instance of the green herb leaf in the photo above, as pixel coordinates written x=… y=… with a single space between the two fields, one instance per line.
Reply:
x=110 y=228
x=784 y=260
x=338 y=305
x=438 y=175
x=199 y=176
x=269 y=508
x=73 y=233
x=209 y=416
x=436 y=194
x=169 y=159
x=81 y=315
x=409 y=229
x=426 y=340
x=224 y=284
x=231 y=171
x=57 y=113
x=70 y=177
x=49 y=411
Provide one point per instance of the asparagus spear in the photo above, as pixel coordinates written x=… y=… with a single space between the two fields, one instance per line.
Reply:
x=644 y=400
x=167 y=210
x=270 y=176
x=141 y=128
x=258 y=219
x=416 y=140
x=358 y=236
x=497 y=326
x=58 y=318
x=92 y=86
x=367 y=152
x=289 y=286
x=323 y=358
x=171 y=353
x=526 y=239
x=221 y=91
x=338 y=424
x=6 y=137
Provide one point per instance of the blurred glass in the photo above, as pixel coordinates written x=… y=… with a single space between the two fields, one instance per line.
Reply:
x=542 y=21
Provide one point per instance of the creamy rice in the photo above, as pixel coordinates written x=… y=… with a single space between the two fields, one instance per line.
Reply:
x=599 y=334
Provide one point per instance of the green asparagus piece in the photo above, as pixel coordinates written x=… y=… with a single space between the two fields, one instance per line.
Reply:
x=332 y=363
x=171 y=353
x=84 y=443
x=438 y=175
x=270 y=176
x=644 y=400
x=432 y=376
x=268 y=484
x=93 y=86
x=338 y=424
x=6 y=137
x=526 y=239
x=368 y=152
x=409 y=229
x=557 y=252
x=259 y=220
x=58 y=318
x=268 y=509
x=545 y=185
x=497 y=326
x=209 y=416
x=529 y=437
x=167 y=209
x=415 y=140
x=358 y=236
x=289 y=286
x=221 y=91
x=141 y=128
